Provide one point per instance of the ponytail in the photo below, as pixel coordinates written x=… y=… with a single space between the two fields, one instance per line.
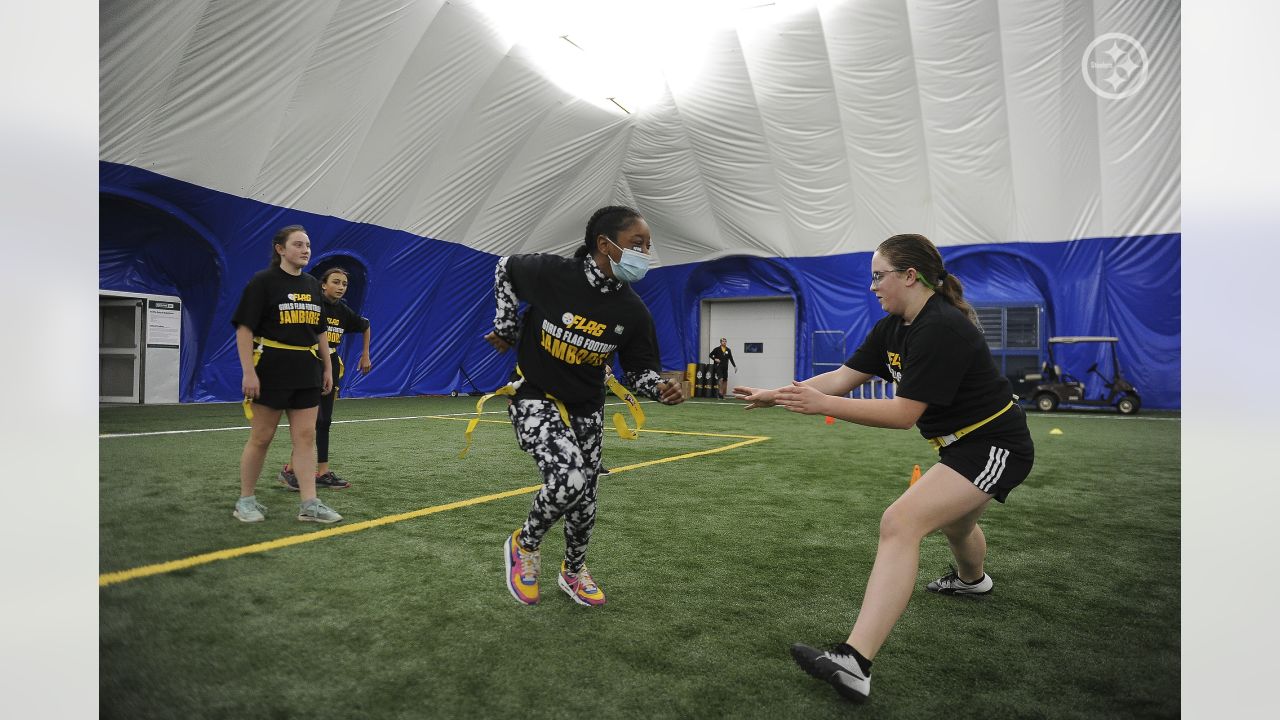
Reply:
x=952 y=290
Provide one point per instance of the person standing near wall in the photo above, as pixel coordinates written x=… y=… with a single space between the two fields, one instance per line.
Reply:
x=721 y=356
x=339 y=320
x=285 y=366
x=581 y=310
x=949 y=387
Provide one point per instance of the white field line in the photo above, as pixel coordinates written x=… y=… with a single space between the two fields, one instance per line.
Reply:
x=112 y=436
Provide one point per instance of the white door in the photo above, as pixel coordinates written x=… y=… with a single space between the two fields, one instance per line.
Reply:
x=761 y=334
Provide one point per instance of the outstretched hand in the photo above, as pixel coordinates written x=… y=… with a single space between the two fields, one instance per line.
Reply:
x=802 y=399
x=755 y=397
x=497 y=342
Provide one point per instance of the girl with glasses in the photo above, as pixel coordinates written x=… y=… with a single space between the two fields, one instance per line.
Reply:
x=948 y=386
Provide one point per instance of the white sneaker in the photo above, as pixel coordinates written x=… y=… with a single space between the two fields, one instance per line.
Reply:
x=315 y=511
x=842 y=671
x=249 y=510
x=951 y=584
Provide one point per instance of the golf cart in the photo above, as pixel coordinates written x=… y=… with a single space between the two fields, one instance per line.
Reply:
x=1053 y=387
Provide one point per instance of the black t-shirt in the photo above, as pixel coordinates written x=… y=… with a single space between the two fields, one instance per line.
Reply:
x=285 y=308
x=571 y=328
x=942 y=359
x=341 y=319
x=722 y=357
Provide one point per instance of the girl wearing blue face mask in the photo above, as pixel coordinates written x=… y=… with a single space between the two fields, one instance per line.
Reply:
x=581 y=311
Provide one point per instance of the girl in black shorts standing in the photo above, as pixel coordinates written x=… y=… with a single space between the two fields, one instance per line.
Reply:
x=581 y=310
x=339 y=319
x=284 y=357
x=949 y=387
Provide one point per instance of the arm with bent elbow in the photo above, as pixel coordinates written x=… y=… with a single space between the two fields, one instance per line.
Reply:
x=897 y=413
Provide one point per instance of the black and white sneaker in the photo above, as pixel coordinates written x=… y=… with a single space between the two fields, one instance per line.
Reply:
x=332 y=481
x=951 y=584
x=839 y=669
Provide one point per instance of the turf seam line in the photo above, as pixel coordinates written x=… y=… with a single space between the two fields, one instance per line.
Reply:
x=112 y=436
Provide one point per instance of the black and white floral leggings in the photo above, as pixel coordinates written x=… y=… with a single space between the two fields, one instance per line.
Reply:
x=569 y=459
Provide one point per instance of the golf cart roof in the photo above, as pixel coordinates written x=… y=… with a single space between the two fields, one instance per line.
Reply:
x=1082 y=338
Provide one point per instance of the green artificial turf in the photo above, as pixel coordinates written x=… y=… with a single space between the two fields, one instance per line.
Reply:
x=713 y=565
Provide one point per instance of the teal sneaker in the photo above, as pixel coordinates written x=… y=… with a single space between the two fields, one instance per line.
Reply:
x=248 y=509
x=315 y=511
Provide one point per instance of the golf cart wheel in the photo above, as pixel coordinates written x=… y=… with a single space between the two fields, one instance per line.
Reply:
x=1047 y=402
x=1128 y=405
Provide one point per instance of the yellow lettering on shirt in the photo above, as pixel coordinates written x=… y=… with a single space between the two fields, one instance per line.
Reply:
x=568 y=353
x=335 y=332
x=895 y=360
x=299 y=317
x=589 y=327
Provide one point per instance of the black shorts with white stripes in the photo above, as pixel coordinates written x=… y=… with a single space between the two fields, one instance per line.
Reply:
x=997 y=462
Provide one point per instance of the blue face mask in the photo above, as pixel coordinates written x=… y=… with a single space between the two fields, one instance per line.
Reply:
x=632 y=267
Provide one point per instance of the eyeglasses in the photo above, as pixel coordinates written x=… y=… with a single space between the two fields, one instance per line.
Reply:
x=876 y=277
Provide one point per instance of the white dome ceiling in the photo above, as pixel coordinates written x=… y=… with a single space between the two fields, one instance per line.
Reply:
x=820 y=130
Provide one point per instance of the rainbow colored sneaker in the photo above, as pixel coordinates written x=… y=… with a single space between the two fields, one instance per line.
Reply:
x=522 y=570
x=581 y=587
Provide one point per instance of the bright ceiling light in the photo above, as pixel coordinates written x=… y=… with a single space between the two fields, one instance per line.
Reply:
x=622 y=54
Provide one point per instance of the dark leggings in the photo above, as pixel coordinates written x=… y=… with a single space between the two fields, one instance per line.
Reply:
x=325 y=417
x=568 y=458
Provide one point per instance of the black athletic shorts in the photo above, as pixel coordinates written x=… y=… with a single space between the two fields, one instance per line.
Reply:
x=996 y=463
x=289 y=398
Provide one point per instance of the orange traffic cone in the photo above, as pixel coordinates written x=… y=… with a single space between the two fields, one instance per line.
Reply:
x=830 y=420
x=915 y=475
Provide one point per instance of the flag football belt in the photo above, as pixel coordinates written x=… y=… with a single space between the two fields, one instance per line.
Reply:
x=940 y=442
x=257 y=355
x=619 y=423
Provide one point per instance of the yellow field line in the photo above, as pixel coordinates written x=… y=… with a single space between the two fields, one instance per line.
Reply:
x=112 y=578
x=732 y=446
x=165 y=567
